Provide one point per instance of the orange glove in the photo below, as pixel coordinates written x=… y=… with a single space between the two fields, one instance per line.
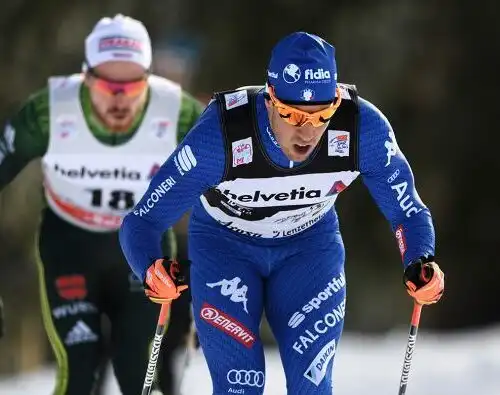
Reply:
x=164 y=281
x=424 y=281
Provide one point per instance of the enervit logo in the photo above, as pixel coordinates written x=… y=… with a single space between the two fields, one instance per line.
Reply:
x=185 y=160
x=317 y=369
x=251 y=378
x=332 y=288
x=227 y=324
x=320 y=327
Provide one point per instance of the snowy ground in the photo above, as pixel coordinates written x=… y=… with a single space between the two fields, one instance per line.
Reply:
x=460 y=364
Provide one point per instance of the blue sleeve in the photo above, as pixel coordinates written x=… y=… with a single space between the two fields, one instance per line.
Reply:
x=389 y=178
x=197 y=164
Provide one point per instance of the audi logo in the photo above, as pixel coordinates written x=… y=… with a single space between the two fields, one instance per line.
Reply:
x=209 y=313
x=252 y=378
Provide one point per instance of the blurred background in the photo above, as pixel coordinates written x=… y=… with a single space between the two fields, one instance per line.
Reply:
x=431 y=67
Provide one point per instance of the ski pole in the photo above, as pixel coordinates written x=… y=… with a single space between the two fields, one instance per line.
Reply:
x=155 y=349
x=410 y=348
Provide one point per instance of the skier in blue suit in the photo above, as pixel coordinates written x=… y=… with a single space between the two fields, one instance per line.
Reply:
x=261 y=170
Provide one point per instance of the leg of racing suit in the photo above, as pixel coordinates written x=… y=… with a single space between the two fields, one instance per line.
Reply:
x=305 y=308
x=227 y=292
x=69 y=291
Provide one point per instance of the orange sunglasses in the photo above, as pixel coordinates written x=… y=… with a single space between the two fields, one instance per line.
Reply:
x=296 y=117
x=111 y=88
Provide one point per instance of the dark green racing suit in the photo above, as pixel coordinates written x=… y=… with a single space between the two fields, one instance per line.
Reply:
x=83 y=274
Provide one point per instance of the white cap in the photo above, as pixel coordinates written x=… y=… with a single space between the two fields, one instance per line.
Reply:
x=119 y=39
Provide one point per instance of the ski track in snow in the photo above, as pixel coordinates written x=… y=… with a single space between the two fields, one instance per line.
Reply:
x=443 y=364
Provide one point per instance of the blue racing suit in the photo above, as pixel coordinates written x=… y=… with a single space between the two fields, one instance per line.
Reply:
x=296 y=276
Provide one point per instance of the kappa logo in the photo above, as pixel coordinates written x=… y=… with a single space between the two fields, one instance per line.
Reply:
x=391 y=146
x=185 y=160
x=230 y=288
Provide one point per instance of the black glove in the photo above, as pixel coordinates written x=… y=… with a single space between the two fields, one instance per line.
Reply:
x=424 y=281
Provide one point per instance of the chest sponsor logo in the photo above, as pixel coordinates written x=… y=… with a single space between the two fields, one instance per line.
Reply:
x=84 y=172
x=261 y=196
x=236 y=99
x=338 y=143
x=227 y=324
x=160 y=128
x=242 y=151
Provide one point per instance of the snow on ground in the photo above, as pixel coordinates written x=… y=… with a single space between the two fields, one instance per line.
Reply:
x=444 y=364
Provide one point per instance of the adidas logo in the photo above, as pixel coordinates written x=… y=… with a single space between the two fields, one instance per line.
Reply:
x=80 y=333
x=185 y=160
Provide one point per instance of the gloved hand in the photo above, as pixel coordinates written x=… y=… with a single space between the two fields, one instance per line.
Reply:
x=164 y=281
x=424 y=281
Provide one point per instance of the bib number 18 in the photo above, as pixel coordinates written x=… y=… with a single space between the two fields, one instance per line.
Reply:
x=117 y=199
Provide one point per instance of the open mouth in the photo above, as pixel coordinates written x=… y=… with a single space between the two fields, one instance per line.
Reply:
x=301 y=149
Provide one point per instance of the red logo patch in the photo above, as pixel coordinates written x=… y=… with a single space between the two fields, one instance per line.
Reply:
x=71 y=287
x=400 y=237
x=227 y=324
